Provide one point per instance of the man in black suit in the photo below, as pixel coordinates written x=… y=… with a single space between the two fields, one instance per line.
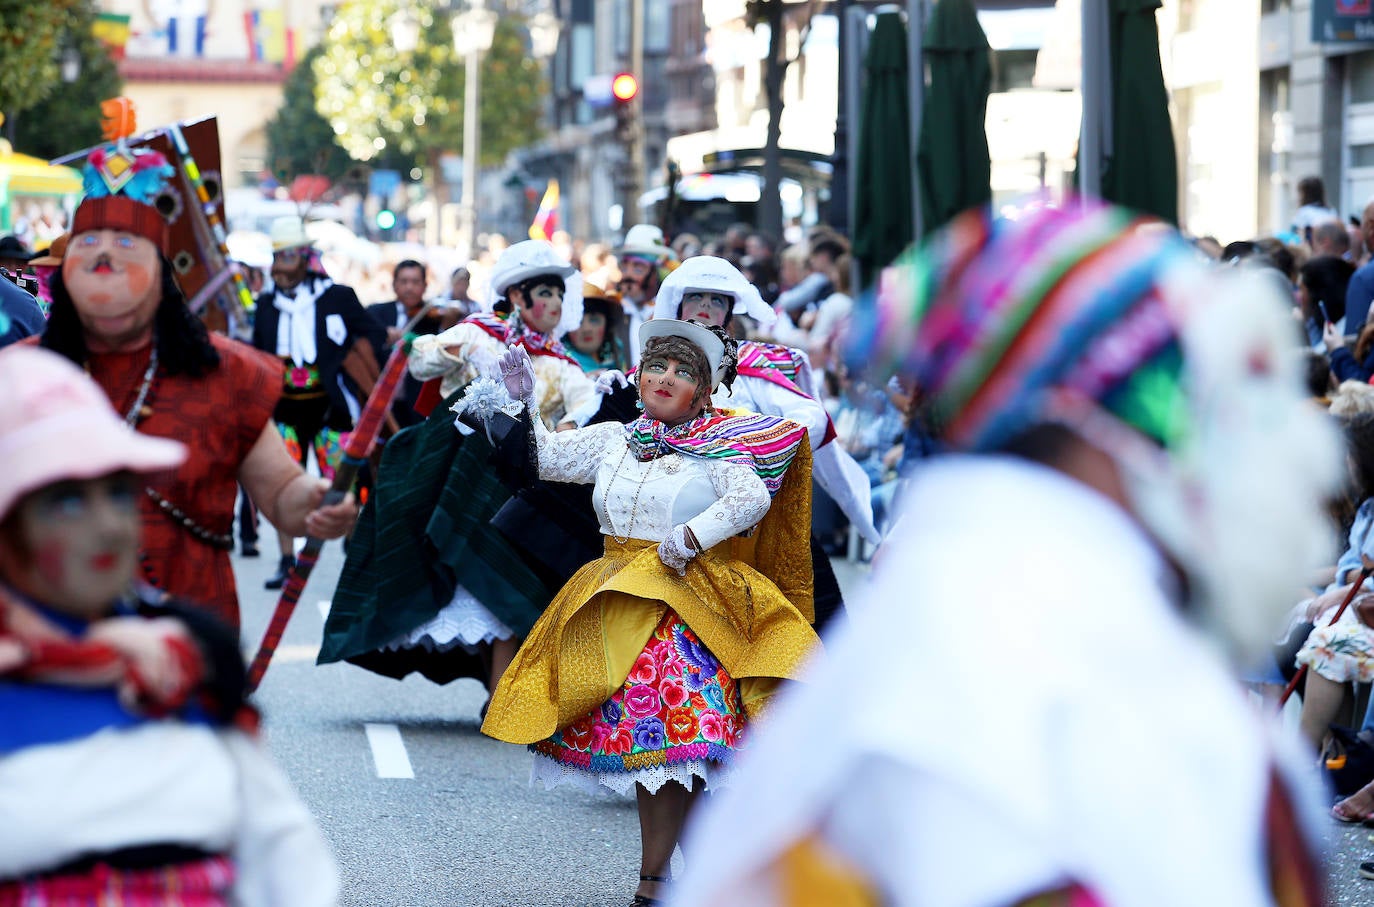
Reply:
x=408 y=280
x=311 y=324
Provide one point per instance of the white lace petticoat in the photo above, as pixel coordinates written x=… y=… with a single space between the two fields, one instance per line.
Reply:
x=464 y=622
x=552 y=773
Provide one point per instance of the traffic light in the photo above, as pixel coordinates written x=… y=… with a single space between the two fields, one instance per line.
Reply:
x=386 y=220
x=625 y=89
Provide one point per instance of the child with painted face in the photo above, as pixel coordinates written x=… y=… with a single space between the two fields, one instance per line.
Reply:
x=121 y=773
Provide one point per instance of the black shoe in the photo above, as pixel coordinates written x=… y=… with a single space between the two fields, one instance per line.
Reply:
x=278 y=579
x=1367 y=869
x=250 y=550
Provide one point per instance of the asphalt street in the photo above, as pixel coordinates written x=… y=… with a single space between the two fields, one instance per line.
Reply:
x=422 y=810
x=456 y=823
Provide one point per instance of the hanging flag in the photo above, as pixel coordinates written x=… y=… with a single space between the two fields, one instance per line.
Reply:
x=269 y=40
x=112 y=30
x=546 y=219
x=250 y=27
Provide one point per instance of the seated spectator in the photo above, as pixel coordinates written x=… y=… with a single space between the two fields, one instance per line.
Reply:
x=792 y=266
x=831 y=315
x=1340 y=654
x=826 y=248
x=1361 y=290
x=1352 y=398
x=1349 y=364
x=1330 y=238
x=1317 y=377
x=1322 y=284
x=762 y=274
x=1312 y=207
x=686 y=245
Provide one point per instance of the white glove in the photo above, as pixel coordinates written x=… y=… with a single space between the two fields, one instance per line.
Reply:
x=676 y=550
x=518 y=373
x=606 y=382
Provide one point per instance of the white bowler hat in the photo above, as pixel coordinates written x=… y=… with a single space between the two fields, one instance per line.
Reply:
x=646 y=240
x=288 y=233
x=693 y=333
x=532 y=258
x=708 y=274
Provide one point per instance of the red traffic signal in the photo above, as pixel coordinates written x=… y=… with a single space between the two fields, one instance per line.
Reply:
x=624 y=87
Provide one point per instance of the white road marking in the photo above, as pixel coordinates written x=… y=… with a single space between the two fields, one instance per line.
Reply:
x=323 y=605
x=388 y=751
x=302 y=652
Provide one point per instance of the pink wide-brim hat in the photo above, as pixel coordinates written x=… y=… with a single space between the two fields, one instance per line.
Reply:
x=57 y=424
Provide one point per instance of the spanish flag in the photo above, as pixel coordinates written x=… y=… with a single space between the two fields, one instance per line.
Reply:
x=546 y=219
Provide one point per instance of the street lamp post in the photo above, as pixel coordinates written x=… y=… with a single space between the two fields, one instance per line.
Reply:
x=473 y=31
x=544 y=30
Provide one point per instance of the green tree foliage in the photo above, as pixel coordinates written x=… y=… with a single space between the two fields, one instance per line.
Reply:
x=299 y=140
x=68 y=119
x=30 y=38
x=376 y=98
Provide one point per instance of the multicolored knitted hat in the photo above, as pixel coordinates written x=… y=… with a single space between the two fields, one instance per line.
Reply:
x=126 y=187
x=999 y=321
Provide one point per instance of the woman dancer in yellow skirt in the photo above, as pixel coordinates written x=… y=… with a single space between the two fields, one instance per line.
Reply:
x=646 y=669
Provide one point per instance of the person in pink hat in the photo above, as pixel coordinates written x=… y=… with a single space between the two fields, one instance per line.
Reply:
x=124 y=774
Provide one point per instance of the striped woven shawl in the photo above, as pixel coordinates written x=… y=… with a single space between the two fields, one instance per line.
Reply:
x=766 y=444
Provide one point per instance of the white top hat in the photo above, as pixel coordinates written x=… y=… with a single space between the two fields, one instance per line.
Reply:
x=709 y=274
x=693 y=333
x=644 y=239
x=531 y=258
x=288 y=233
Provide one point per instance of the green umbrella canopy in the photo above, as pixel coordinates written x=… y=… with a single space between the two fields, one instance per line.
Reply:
x=1141 y=170
x=953 y=161
x=882 y=199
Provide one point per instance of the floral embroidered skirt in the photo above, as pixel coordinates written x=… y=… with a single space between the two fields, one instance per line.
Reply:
x=678 y=716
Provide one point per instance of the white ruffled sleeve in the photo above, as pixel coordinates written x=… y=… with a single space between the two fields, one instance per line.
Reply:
x=575 y=455
x=742 y=502
x=431 y=357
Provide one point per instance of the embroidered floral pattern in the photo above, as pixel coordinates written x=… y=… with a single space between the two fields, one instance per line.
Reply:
x=300 y=377
x=678 y=704
x=328 y=446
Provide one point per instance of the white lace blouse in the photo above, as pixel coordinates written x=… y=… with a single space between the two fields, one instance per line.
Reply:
x=645 y=500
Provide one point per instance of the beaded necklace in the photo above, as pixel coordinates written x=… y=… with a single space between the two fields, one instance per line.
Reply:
x=634 y=506
x=140 y=411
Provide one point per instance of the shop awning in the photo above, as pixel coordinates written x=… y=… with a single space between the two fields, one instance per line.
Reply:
x=25 y=175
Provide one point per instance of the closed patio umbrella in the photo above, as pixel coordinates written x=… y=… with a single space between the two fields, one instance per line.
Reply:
x=1140 y=170
x=883 y=209
x=955 y=168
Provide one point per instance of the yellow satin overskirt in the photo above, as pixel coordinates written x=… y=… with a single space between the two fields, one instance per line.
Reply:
x=583 y=647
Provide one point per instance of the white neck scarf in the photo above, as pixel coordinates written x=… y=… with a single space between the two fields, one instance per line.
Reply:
x=296 y=320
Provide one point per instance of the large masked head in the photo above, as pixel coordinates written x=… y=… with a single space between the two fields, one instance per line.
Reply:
x=1183 y=375
x=113 y=270
x=543 y=289
x=710 y=290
